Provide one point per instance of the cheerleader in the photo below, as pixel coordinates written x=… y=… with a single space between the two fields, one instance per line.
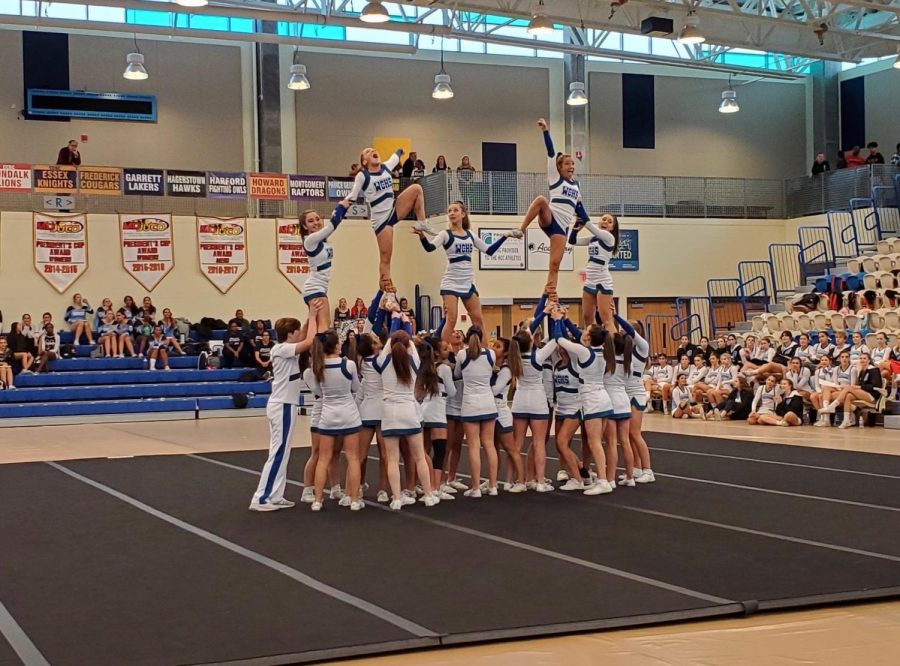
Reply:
x=781 y=358
x=556 y=215
x=788 y=406
x=503 y=429
x=109 y=340
x=865 y=386
x=435 y=385
x=823 y=348
x=725 y=384
x=643 y=470
x=529 y=407
x=697 y=373
x=805 y=352
x=764 y=401
x=596 y=359
x=479 y=411
x=454 y=419
x=598 y=286
x=822 y=378
x=338 y=381
x=801 y=378
x=375 y=182
x=568 y=419
x=758 y=357
x=702 y=386
x=840 y=345
x=655 y=380
x=683 y=368
x=281 y=411
x=858 y=348
x=398 y=363
x=460 y=245
x=683 y=405
x=845 y=374
x=618 y=426
x=315 y=235
x=308 y=496
x=370 y=402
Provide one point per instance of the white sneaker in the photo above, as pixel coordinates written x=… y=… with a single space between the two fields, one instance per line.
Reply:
x=717 y=414
x=420 y=490
x=445 y=496
x=422 y=225
x=627 y=482
x=562 y=475
x=544 y=488
x=492 y=491
x=382 y=497
x=505 y=486
x=167 y=369
x=646 y=476
x=269 y=506
x=823 y=422
x=432 y=500
x=344 y=501
x=781 y=422
x=573 y=484
x=336 y=492
x=530 y=485
x=447 y=488
x=308 y=496
x=846 y=423
x=406 y=500
x=407 y=493
x=474 y=493
x=600 y=488
x=517 y=488
x=315 y=506
x=458 y=485
x=830 y=408
x=396 y=505
x=356 y=505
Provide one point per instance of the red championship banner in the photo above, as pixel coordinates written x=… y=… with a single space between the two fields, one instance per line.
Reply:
x=292 y=260
x=268 y=185
x=222 y=248
x=147 y=247
x=15 y=177
x=60 y=248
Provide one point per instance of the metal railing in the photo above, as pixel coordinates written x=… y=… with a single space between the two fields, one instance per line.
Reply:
x=787 y=271
x=885 y=199
x=843 y=232
x=721 y=292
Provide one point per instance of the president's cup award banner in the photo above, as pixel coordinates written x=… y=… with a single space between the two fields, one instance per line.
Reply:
x=293 y=263
x=147 y=249
x=60 y=248
x=222 y=250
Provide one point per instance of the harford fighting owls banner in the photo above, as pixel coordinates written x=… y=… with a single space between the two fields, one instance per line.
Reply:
x=60 y=248
x=222 y=250
x=147 y=249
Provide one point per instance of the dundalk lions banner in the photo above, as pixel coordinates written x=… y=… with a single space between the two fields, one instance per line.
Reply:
x=147 y=249
x=60 y=248
x=292 y=260
x=222 y=249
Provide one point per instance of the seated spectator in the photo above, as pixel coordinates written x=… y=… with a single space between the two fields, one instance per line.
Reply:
x=170 y=331
x=359 y=309
x=27 y=330
x=440 y=163
x=725 y=380
x=77 y=318
x=263 y=356
x=148 y=309
x=801 y=378
x=788 y=406
x=874 y=157
x=256 y=333
x=686 y=348
x=738 y=404
x=130 y=308
x=105 y=306
x=857 y=347
x=701 y=386
x=697 y=373
x=704 y=349
x=109 y=336
x=822 y=379
x=895 y=158
x=805 y=352
x=780 y=359
x=242 y=323
x=841 y=160
x=47 y=347
x=840 y=345
x=21 y=346
x=656 y=377
x=866 y=381
x=143 y=330
x=234 y=346
x=683 y=404
x=757 y=355
x=820 y=165
x=6 y=366
x=406 y=310
x=157 y=349
x=764 y=402
x=854 y=159
x=124 y=331
x=341 y=312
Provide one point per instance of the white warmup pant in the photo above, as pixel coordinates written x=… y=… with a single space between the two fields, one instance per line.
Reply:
x=282 y=418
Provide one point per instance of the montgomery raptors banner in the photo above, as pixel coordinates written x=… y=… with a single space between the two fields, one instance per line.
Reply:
x=147 y=250
x=60 y=248
x=292 y=260
x=222 y=248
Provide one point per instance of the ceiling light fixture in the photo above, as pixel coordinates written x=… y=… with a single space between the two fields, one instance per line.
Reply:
x=690 y=33
x=134 y=69
x=442 y=88
x=729 y=100
x=374 y=12
x=540 y=24
x=577 y=96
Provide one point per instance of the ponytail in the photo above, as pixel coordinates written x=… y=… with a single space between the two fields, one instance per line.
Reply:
x=427 y=381
x=609 y=352
x=474 y=348
x=514 y=358
x=324 y=344
x=400 y=357
x=624 y=346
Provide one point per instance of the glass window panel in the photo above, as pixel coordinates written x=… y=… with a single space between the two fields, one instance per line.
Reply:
x=106 y=14
x=549 y=54
x=204 y=22
x=664 y=47
x=12 y=7
x=502 y=49
x=144 y=17
x=635 y=44
x=469 y=46
x=29 y=8
x=243 y=25
x=77 y=12
x=377 y=36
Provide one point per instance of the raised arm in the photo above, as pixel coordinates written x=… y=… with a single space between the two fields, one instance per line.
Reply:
x=575 y=239
x=374 y=308
x=394 y=159
x=312 y=241
x=572 y=329
x=607 y=240
x=575 y=349
x=501 y=380
x=541 y=355
x=356 y=190
x=538 y=314
x=446 y=375
x=757 y=398
x=493 y=247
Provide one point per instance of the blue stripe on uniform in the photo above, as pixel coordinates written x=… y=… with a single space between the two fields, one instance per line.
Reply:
x=287 y=412
x=383 y=197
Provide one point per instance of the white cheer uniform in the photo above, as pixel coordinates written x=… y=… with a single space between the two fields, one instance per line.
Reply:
x=401 y=410
x=434 y=407
x=530 y=400
x=591 y=367
x=566 y=384
x=320 y=255
x=601 y=247
x=378 y=190
x=500 y=382
x=459 y=276
x=316 y=414
x=370 y=399
x=340 y=415
x=478 y=399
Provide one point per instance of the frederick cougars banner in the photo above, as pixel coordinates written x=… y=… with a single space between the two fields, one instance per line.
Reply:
x=222 y=247
x=292 y=260
x=60 y=248
x=147 y=250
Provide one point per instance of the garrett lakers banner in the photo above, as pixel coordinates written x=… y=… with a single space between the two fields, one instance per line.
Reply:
x=147 y=249
x=222 y=248
x=292 y=260
x=60 y=248
x=55 y=179
x=100 y=180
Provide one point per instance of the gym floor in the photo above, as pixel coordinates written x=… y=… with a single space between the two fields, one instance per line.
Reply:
x=736 y=520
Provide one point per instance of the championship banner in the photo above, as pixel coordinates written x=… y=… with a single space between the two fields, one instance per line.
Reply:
x=222 y=248
x=15 y=178
x=268 y=186
x=306 y=187
x=100 y=180
x=226 y=185
x=147 y=250
x=510 y=256
x=292 y=260
x=538 y=252
x=627 y=257
x=186 y=183
x=144 y=182
x=55 y=179
x=60 y=248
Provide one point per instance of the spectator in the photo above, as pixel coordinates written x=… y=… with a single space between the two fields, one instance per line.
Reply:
x=69 y=155
x=77 y=319
x=359 y=310
x=256 y=334
x=465 y=165
x=410 y=164
x=874 y=156
x=130 y=308
x=46 y=318
x=143 y=329
x=124 y=330
x=341 y=312
x=47 y=347
x=820 y=165
x=170 y=331
x=263 y=356
x=354 y=169
x=148 y=309
x=441 y=163
x=234 y=346
x=895 y=158
x=27 y=330
x=419 y=170
x=405 y=309
x=109 y=336
x=105 y=306
x=6 y=370
x=21 y=347
x=841 y=160
x=242 y=323
x=686 y=348
x=156 y=349
x=854 y=159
